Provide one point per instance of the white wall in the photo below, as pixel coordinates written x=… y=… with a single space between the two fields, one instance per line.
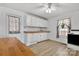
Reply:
x=4 y=22
x=3 y=27
x=53 y=23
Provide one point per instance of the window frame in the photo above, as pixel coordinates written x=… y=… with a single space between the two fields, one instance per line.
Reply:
x=13 y=32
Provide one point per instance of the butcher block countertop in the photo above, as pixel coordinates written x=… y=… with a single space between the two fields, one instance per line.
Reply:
x=13 y=47
x=36 y=31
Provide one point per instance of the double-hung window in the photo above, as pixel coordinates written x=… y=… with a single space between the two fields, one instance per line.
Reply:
x=14 y=24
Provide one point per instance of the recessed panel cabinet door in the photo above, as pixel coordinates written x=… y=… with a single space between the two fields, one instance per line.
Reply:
x=41 y=36
x=41 y=23
x=37 y=37
x=37 y=22
x=45 y=23
x=29 y=39
x=45 y=36
x=29 y=20
x=34 y=38
x=33 y=21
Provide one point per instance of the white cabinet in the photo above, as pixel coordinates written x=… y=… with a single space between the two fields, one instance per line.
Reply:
x=32 y=21
x=29 y=37
x=35 y=37
x=29 y=20
x=43 y=23
x=35 y=21
x=33 y=24
x=43 y=36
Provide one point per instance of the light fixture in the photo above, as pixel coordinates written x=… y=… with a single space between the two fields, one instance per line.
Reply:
x=50 y=8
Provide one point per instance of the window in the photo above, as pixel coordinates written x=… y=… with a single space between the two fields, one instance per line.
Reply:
x=63 y=27
x=14 y=24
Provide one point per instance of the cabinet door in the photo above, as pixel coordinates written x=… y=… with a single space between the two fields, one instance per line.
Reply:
x=33 y=21
x=34 y=38
x=37 y=22
x=45 y=23
x=37 y=37
x=29 y=21
x=29 y=39
x=43 y=36
x=41 y=23
x=24 y=36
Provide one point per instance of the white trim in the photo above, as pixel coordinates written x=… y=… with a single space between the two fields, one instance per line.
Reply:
x=28 y=44
x=60 y=40
x=73 y=47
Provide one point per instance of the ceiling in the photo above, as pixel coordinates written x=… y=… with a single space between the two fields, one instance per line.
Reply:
x=32 y=8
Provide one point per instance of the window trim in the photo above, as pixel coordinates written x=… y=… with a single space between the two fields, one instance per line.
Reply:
x=13 y=32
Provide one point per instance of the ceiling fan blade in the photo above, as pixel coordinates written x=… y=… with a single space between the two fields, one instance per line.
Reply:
x=39 y=7
x=38 y=10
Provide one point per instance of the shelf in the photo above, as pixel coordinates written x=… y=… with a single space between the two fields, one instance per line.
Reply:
x=34 y=27
x=36 y=31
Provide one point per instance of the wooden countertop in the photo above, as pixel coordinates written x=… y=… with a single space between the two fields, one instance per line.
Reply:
x=36 y=31
x=13 y=47
x=34 y=27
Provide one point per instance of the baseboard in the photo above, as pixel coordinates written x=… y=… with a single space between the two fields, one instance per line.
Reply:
x=73 y=47
x=28 y=43
x=58 y=41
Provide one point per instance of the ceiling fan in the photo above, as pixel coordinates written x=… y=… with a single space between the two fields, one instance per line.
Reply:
x=48 y=7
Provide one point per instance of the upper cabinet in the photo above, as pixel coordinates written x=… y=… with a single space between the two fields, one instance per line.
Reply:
x=35 y=21
x=28 y=20
x=43 y=23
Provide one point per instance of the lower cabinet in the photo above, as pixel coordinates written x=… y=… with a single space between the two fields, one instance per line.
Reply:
x=33 y=38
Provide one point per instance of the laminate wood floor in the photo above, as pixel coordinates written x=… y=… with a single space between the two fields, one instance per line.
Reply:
x=13 y=47
x=52 y=48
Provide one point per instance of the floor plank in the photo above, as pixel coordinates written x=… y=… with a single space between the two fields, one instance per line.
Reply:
x=52 y=48
x=13 y=47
